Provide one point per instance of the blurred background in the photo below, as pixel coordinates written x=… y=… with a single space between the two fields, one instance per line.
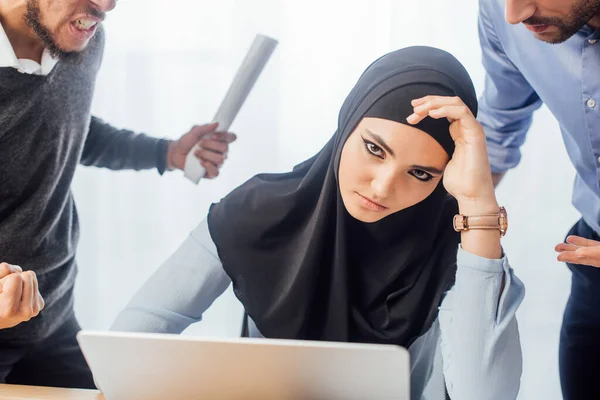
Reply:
x=167 y=65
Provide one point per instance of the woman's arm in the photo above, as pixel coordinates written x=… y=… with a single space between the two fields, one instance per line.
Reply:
x=480 y=342
x=468 y=176
x=180 y=291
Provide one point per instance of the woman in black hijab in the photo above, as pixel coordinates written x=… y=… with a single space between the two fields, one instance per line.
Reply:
x=357 y=244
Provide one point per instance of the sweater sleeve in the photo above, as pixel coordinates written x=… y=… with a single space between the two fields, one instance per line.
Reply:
x=180 y=291
x=119 y=149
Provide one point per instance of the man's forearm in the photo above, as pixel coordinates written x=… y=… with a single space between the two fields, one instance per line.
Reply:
x=118 y=149
x=496 y=178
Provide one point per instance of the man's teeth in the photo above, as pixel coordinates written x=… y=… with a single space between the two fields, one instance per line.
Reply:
x=84 y=24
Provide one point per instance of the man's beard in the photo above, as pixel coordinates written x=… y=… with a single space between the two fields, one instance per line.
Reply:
x=33 y=20
x=579 y=16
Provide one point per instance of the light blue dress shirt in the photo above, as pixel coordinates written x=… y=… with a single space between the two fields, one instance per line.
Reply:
x=523 y=72
x=475 y=336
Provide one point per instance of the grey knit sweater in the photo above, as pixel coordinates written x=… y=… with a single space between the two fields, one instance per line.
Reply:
x=46 y=130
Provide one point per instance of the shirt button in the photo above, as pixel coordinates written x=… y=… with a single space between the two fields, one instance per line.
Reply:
x=592 y=41
x=591 y=103
x=598 y=159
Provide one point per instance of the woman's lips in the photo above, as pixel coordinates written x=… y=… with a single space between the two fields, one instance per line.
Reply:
x=370 y=204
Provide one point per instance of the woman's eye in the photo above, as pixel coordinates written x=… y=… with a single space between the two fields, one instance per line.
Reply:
x=421 y=175
x=374 y=149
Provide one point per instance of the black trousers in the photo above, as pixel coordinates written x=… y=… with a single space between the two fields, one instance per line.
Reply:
x=579 y=352
x=56 y=361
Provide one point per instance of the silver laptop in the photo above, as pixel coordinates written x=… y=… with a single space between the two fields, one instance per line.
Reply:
x=136 y=366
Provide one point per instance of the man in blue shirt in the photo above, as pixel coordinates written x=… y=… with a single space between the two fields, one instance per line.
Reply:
x=548 y=51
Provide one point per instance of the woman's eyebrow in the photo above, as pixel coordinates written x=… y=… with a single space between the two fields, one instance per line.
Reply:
x=432 y=170
x=380 y=142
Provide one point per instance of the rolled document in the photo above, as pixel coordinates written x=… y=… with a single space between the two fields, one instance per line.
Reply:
x=247 y=74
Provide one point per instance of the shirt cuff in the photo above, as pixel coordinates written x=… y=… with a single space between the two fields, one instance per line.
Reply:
x=469 y=260
x=162 y=149
x=502 y=158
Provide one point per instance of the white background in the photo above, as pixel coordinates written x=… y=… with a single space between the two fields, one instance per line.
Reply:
x=167 y=66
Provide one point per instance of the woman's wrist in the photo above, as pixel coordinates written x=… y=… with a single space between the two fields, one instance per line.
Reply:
x=483 y=243
x=479 y=205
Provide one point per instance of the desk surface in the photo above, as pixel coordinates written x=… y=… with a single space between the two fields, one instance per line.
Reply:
x=13 y=392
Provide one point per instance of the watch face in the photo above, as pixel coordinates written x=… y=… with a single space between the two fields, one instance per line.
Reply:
x=503 y=220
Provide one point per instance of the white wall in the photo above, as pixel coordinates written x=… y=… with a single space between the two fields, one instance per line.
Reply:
x=166 y=67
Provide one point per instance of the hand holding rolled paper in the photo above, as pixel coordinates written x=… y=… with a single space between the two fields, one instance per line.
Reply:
x=246 y=77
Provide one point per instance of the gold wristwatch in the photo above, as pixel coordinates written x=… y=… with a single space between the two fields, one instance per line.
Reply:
x=497 y=221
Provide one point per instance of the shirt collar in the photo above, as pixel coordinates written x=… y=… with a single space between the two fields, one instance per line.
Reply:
x=7 y=54
x=8 y=58
x=594 y=34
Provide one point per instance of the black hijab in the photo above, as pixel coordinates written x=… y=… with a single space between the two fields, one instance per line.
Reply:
x=305 y=269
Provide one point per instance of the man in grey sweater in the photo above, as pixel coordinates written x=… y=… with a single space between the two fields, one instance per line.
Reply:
x=50 y=53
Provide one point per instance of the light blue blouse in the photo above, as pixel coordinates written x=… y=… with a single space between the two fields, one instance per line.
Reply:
x=473 y=348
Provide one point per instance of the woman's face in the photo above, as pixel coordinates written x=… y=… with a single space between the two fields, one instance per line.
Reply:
x=386 y=167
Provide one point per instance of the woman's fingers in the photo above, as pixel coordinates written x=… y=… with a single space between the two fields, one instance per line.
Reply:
x=418 y=102
x=436 y=100
x=415 y=118
x=431 y=102
x=438 y=107
x=424 y=105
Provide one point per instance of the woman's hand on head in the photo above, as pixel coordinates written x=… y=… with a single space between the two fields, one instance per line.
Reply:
x=468 y=176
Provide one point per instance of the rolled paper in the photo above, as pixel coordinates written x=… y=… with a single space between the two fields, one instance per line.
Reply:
x=261 y=50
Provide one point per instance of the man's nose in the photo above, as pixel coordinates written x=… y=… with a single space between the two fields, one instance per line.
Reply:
x=518 y=11
x=105 y=5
